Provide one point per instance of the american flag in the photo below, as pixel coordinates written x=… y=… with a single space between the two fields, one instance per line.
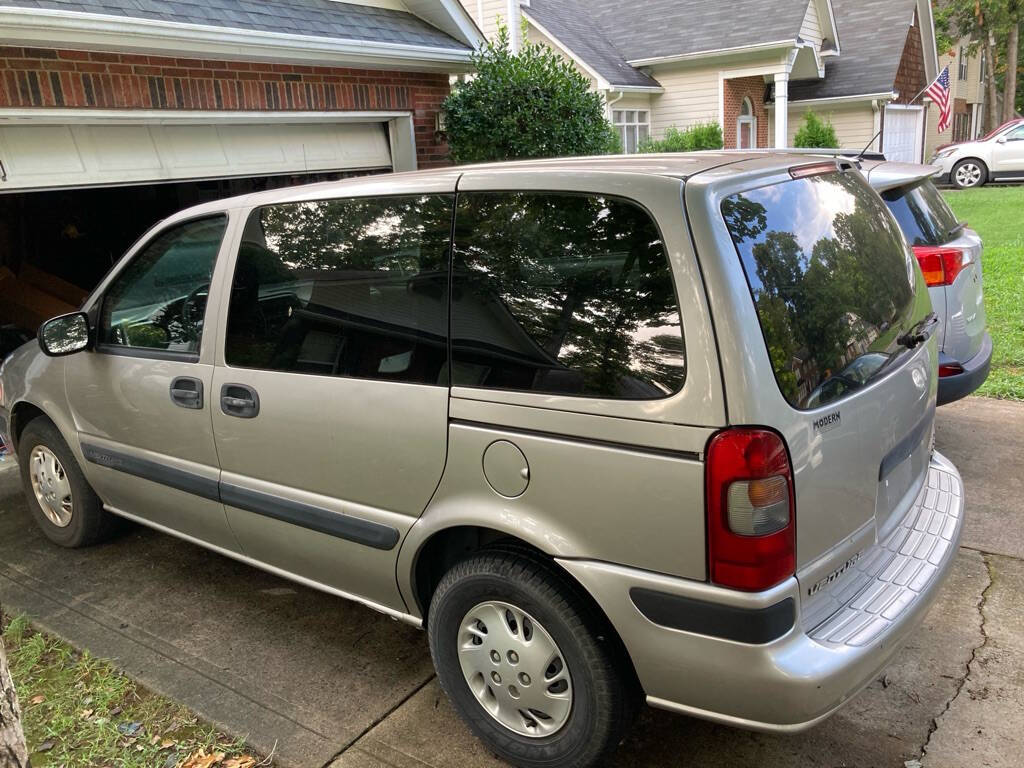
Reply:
x=938 y=92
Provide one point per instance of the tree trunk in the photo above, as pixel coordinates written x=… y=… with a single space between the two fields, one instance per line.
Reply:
x=990 y=83
x=1010 y=81
x=13 y=752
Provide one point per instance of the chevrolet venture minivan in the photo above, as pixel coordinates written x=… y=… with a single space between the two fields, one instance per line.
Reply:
x=611 y=429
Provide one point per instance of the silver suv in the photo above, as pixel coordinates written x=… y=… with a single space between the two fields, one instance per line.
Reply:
x=608 y=428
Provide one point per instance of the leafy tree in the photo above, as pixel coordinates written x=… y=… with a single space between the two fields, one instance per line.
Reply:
x=696 y=137
x=521 y=105
x=992 y=26
x=816 y=133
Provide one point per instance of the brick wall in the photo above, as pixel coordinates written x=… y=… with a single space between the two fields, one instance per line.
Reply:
x=732 y=93
x=45 y=77
x=910 y=77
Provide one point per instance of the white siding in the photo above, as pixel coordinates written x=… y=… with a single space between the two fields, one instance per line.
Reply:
x=691 y=96
x=854 y=124
x=810 y=30
x=493 y=10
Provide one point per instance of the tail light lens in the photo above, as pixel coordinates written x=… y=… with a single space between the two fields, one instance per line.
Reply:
x=941 y=264
x=750 y=509
x=950 y=369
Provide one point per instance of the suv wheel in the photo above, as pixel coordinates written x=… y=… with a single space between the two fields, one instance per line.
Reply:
x=524 y=659
x=62 y=503
x=969 y=173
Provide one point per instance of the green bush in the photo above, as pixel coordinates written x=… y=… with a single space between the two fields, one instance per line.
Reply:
x=816 y=133
x=696 y=137
x=530 y=104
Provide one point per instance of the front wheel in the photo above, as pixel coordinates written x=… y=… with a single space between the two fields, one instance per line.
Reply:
x=60 y=499
x=526 y=661
x=969 y=173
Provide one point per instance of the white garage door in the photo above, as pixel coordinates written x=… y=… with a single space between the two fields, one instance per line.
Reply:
x=50 y=156
x=902 y=135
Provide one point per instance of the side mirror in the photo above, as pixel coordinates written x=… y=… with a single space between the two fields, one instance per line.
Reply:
x=64 y=335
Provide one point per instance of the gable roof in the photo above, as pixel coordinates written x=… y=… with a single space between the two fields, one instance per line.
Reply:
x=606 y=38
x=570 y=22
x=874 y=33
x=313 y=18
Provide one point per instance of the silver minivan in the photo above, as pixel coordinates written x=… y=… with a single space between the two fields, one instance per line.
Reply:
x=611 y=429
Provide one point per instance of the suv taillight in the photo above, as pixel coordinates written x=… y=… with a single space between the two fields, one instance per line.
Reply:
x=941 y=264
x=750 y=509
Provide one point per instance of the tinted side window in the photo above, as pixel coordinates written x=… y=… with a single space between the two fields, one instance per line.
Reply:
x=564 y=294
x=355 y=287
x=924 y=216
x=159 y=300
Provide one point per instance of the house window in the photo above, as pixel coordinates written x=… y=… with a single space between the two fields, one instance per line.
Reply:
x=746 y=126
x=963 y=64
x=633 y=125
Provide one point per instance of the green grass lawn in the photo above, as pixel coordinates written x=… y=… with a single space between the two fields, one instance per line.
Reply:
x=80 y=711
x=997 y=214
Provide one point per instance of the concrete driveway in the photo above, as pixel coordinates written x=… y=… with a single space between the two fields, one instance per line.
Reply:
x=322 y=682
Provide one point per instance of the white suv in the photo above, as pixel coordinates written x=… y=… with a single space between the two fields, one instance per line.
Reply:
x=999 y=156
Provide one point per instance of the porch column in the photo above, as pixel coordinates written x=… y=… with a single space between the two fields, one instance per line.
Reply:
x=781 y=110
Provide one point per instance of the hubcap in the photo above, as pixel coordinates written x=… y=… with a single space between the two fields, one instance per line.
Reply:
x=968 y=175
x=51 y=486
x=515 y=670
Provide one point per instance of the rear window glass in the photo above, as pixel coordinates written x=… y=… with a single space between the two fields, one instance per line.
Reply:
x=831 y=278
x=923 y=215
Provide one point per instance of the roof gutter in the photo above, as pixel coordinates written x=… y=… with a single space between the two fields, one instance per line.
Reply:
x=759 y=48
x=35 y=26
x=881 y=96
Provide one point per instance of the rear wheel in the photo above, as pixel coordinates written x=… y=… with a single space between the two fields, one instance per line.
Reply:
x=969 y=173
x=62 y=503
x=526 y=661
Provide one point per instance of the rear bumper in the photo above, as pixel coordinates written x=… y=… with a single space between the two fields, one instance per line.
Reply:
x=975 y=372
x=805 y=673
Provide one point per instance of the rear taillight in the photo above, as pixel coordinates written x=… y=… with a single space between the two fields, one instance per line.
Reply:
x=750 y=509
x=941 y=264
x=950 y=369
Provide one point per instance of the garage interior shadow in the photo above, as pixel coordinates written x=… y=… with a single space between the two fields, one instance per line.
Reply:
x=56 y=245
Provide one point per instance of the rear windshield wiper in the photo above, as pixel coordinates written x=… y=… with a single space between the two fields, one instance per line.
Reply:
x=960 y=227
x=919 y=332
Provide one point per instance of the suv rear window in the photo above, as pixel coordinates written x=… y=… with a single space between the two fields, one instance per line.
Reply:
x=924 y=216
x=832 y=280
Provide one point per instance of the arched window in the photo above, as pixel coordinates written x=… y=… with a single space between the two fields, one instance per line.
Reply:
x=746 y=126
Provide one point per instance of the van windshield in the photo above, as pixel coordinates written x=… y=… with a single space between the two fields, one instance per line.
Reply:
x=832 y=279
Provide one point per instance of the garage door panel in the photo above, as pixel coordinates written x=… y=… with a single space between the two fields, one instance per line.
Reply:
x=120 y=148
x=41 y=157
x=193 y=146
x=902 y=135
x=40 y=151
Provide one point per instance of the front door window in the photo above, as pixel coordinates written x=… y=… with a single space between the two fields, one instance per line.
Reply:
x=746 y=126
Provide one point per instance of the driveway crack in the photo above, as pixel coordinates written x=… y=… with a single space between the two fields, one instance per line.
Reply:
x=969 y=666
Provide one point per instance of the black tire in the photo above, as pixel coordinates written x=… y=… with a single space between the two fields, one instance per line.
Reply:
x=90 y=523
x=605 y=691
x=981 y=174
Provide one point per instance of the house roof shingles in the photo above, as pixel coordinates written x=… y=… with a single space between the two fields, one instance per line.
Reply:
x=599 y=33
x=315 y=18
x=872 y=34
x=571 y=23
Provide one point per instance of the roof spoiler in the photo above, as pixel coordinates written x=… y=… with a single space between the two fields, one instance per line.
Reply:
x=816 y=151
